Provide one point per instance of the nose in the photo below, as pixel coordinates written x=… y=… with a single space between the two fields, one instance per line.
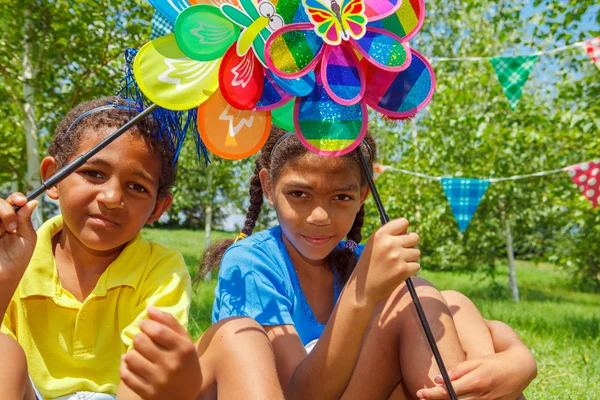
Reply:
x=111 y=195
x=319 y=216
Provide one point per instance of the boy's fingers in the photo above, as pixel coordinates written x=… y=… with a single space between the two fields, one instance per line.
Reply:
x=24 y=219
x=134 y=381
x=139 y=365
x=160 y=334
x=167 y=319
x=8 y=217
x=147 y=348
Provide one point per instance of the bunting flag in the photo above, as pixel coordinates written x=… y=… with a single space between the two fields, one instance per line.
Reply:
x=513 y=73
x=587 y=177
x=464 y=196
x=161 y=26
x=592 y=47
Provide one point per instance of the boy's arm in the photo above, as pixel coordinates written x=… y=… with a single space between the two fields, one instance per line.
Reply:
x=17 y=242
x=125 y=393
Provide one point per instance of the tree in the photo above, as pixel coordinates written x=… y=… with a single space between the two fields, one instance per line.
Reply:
x=54 y=55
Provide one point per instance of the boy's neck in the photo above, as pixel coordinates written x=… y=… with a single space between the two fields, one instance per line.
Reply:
x=79 y=267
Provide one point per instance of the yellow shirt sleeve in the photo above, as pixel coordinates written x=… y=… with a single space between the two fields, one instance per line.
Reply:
x=167 y=287
x=9 y=324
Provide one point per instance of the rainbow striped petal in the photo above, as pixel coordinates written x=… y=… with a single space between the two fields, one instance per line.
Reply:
x=292 y=11
x=296 y=87
x=383 y=49
x=272 y=95
x=405 y=22
x=343 y=77
x=293 y=51
x=378 y=9
x=400 y=94
x=326 y=127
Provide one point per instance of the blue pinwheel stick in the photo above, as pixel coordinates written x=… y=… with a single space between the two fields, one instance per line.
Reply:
x=409 y=284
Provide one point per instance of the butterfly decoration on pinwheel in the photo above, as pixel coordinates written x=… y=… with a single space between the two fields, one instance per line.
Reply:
x=359 y=53
x=215 y=61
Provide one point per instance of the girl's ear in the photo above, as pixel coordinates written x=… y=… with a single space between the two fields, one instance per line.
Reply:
x=267 y=185
x=47 y=169
x=364 y=192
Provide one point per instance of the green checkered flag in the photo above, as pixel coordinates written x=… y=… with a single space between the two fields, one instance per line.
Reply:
x=512 y=73
x=160 y=26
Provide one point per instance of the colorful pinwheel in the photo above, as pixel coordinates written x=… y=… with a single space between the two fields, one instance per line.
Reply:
x=359 y=53
x=219 y=45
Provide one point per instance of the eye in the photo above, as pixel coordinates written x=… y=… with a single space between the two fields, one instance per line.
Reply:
x=275 y=22
x=298 y=194
x=138 y=188
x=93 y=174
x=343 y=197
x=266 y=9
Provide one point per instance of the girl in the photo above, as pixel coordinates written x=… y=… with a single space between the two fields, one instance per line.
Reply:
x=338 y=315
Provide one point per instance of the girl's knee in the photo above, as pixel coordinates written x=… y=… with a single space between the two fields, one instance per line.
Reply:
x=10 y=349
x=454 y=298
x=230 y=333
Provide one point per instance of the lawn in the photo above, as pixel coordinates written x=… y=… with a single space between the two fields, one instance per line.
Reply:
x=559 y=324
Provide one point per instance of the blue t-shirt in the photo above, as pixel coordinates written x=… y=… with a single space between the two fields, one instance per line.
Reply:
x=257 y=280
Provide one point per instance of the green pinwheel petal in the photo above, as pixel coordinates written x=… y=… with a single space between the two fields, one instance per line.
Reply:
x=203 y=33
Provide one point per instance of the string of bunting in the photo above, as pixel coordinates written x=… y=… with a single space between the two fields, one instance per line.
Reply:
x=465 y=194
x=513 y=72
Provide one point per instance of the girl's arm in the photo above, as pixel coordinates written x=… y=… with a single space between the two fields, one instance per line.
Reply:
x=387 y=260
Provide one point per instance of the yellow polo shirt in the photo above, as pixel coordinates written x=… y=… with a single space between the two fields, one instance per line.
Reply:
x=73 y=346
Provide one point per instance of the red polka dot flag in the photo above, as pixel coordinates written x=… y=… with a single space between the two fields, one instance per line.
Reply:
x=587 y=177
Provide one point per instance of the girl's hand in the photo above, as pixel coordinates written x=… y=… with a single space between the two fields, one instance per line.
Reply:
x=163 y=363
x=491 y=377
x=388 y=259
x=17 y=236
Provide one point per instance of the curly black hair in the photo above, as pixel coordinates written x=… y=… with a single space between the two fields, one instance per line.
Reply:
x=65 y=144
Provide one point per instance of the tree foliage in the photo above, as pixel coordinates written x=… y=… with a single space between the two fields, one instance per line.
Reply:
x=469 y=131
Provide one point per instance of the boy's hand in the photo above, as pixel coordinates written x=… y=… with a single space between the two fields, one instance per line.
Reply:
x=163 y=362
x=389 y=258
x=17 y=236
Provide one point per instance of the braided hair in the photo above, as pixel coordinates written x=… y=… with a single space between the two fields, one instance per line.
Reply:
x=287 y=150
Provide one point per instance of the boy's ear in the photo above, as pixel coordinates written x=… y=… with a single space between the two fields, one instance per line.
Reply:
x=47 y=168
x=267 y=185
x=161 y=206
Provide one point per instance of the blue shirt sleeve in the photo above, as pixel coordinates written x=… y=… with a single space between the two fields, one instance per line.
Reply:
x=252 y=285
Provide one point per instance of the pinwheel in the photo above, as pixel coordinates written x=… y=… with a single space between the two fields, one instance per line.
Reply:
x=215 y=61
x=359 y=53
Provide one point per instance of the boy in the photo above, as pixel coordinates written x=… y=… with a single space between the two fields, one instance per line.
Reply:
x=74 y=299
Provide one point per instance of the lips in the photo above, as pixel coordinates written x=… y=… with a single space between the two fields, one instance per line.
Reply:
x=317 y=240
x=103 y=221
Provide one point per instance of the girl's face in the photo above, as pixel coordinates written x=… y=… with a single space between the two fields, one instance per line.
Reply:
x=316 y=199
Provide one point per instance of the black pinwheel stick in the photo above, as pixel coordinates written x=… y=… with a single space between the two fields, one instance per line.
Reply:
x=409 y=284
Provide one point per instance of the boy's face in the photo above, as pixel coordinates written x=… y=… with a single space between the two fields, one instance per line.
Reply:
x=316 y=200
x=107 y=201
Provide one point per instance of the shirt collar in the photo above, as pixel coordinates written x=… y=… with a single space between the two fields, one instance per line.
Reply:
x=41 y=277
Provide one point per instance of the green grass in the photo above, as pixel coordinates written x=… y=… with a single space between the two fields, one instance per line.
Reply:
x=560 y=325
